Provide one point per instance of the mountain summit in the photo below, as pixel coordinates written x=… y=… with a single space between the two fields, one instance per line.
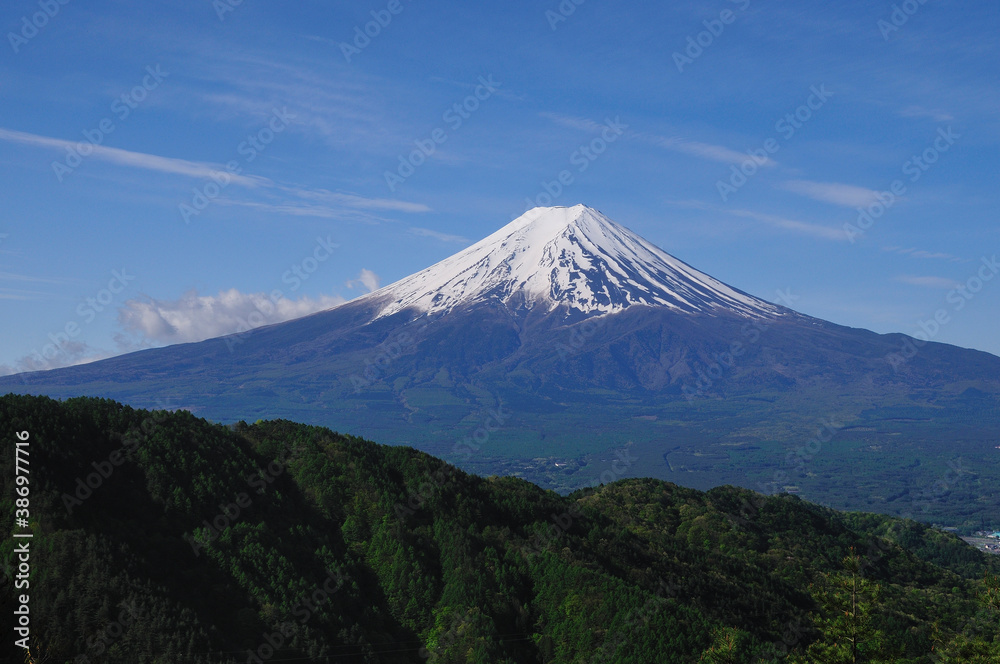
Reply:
x=573 y=257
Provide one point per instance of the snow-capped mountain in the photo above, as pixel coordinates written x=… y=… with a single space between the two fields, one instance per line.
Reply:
x=565 y=256
x=563 y=336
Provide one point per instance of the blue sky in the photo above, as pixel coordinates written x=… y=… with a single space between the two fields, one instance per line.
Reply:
x=278 y=141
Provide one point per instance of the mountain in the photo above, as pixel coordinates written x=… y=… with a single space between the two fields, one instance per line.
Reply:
x=161 y=537
x=566 y=350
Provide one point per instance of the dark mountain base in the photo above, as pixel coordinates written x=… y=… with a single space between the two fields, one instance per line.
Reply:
x=787 y=404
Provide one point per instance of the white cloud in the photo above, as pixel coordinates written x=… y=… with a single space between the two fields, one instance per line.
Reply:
x=9 y=293
x=800 y=227
x=942 y=283
x=366 y=279
x=707 y=151
x=920 y=112
x=141 y=160
x=23 y=294
x=51 y=356
x=10 y=276
x=196 y=317
x=467 y=85
x=444 y=237
x=582 y=124
x=846 y=195
x=698 y=149
x=330 y=100
x=191 y=318
x=292 y=209
x=358 y=202
x=305 y=202
x=299 y=202
x=278 y=198
x=921 y=253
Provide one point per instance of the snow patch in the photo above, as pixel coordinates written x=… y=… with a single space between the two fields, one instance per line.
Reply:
x=572 y=256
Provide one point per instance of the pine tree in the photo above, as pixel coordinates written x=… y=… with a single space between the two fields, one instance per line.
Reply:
x=728 y=647
x=850 y=604
x=991 y=593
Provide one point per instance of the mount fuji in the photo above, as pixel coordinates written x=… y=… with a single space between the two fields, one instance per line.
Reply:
x=563 y=344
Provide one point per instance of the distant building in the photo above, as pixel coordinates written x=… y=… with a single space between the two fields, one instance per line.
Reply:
x=995 y=535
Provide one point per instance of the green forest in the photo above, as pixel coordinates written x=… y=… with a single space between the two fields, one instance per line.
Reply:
x=159 y=537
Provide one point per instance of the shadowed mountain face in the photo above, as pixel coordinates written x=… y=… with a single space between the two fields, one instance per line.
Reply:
x=563 y=338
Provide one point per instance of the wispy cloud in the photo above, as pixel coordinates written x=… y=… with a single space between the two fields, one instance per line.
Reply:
x=801 y=227
x=920 y=112
x=942 y=283
x=21 y=294
x=500 y=91
x=131 y=159
x=290 y=209
x=358 y=202
x=581 y=124
x=793 y=225
x=24 y=294
x=698 y=149
x=294 y=208
x=295 y=201
x=837 y=193
x=702 y=150
x=920 y=253
x=330 y=100
x=330 y=204
x=10 y=276
x=444 y=237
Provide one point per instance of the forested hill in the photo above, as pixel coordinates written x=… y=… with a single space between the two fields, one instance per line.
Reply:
x=160 y=537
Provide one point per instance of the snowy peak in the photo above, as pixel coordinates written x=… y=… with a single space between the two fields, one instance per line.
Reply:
x=566 y=256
